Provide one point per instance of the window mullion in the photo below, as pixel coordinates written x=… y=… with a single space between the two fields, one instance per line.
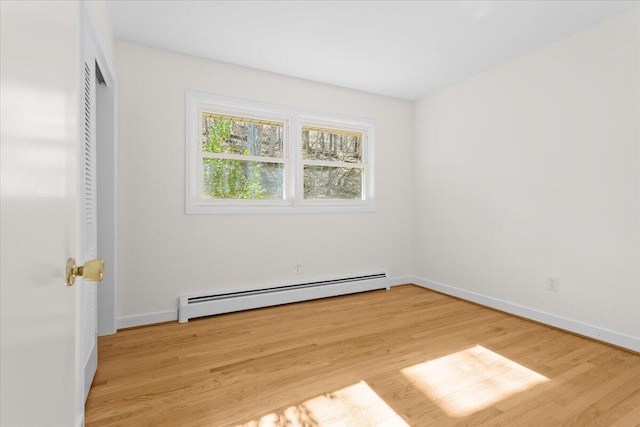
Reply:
x=295 y=171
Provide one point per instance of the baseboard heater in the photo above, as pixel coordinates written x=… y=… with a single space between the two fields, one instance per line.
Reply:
x=190 y=307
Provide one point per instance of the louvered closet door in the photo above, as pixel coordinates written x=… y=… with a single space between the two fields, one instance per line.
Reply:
x=90 y=231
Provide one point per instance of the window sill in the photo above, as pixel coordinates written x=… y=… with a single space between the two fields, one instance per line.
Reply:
x=278 y=209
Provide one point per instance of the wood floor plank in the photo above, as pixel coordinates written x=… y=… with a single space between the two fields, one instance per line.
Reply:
x=407 y=356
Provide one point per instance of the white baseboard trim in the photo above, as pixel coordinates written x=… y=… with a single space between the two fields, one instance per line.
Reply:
x=147 y=319
x=580 y=328
x=403 y=280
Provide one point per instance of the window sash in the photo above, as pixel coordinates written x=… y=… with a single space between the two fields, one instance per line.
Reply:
x=246 y=118
x=242 y=157
x=337 y=129
x=285 y=200
x=345 y=132
x=243 y=119
x=334 y=164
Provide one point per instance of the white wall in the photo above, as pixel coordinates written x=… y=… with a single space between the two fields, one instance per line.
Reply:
x=531 y=169
x=98 y=15
x=164 y=253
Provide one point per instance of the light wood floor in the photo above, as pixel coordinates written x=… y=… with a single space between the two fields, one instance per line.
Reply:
x=407 y=356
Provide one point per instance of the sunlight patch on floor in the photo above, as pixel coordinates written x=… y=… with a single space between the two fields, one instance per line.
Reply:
x=468 y=381
x=354 y=406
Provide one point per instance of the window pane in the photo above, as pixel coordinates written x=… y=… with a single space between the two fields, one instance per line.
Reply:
x=327 y=182
x=333 y=146
x=241 y=136
x=237 y=179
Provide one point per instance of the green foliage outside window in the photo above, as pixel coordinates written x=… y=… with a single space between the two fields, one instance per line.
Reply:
x=227 y=178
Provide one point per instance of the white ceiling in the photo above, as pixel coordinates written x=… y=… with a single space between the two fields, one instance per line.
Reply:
x=396 y=48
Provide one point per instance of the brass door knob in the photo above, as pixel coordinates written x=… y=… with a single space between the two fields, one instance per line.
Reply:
x=92 y=270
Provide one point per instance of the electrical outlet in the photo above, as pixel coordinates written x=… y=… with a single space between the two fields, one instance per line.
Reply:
x=553 y=283
x=297 y=269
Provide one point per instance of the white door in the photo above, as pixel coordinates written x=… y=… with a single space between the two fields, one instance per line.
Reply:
x=89 y=216
x=42 y=378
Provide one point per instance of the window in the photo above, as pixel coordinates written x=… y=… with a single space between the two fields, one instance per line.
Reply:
x=245 y=157
x=242 y=158
x=332 y=163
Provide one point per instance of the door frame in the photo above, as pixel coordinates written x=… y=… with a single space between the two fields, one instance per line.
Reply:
x=107 y=167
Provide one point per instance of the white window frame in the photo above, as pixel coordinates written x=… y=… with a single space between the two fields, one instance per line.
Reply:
x=293 y=120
